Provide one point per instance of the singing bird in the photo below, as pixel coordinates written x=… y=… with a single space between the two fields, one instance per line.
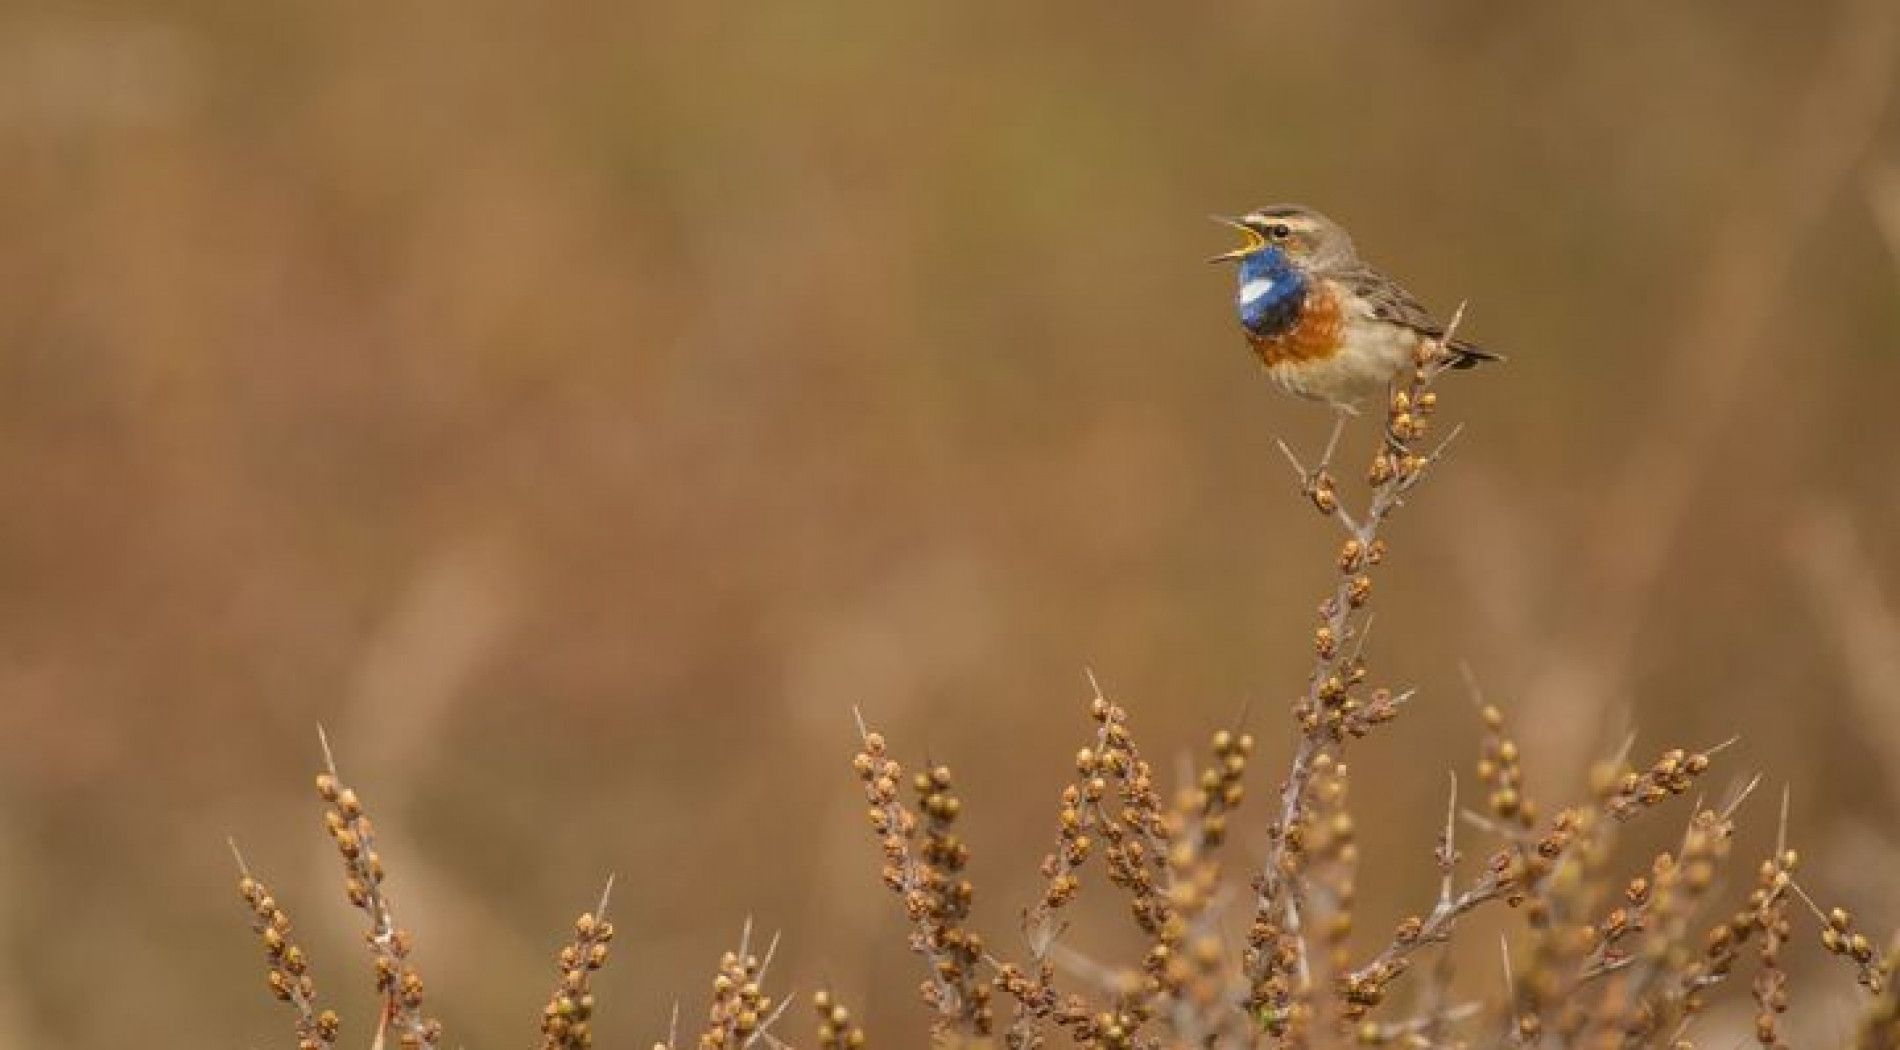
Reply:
x=1326 y=325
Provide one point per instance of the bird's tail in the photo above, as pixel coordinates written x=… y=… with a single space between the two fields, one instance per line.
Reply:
x=1470 y=355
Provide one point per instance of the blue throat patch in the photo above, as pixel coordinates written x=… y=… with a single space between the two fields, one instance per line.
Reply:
x=1270 y=292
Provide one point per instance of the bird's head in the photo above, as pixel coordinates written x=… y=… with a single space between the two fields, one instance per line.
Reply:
x=1305 y=237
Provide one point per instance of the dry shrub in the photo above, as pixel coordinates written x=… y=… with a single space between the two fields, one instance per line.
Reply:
x=1594 y=959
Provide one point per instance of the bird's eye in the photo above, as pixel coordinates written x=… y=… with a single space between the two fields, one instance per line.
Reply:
x=1279 y=231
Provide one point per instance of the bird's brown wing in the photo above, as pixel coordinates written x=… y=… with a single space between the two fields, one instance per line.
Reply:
x=1392 y=304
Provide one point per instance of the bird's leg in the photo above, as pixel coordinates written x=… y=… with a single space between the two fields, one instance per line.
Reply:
x=1340 y=416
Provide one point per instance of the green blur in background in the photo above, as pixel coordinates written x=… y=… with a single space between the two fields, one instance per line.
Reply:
x=579 y=408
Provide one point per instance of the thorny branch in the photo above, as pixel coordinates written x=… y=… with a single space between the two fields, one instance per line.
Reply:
x=1330 y=712
x=355 y=838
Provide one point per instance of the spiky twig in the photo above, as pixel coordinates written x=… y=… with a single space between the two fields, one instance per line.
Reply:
x=567 y=1020
x=289 y=971
x=389 y=944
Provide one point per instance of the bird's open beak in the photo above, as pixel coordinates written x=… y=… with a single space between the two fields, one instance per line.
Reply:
x=1254 y=241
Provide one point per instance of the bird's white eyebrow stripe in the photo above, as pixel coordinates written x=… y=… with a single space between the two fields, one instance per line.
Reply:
x=1255 y=288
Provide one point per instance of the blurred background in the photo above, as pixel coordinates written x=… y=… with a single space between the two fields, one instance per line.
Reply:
x=579 y=409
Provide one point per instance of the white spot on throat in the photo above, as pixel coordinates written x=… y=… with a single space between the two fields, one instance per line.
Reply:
x=1254 y=289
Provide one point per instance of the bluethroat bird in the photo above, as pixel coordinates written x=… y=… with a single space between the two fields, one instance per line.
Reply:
x=1326 y=326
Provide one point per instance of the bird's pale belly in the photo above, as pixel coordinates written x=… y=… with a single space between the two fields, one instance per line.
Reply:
x=1335 y=355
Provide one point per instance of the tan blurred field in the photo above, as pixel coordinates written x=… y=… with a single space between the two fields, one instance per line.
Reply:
x=579 y=408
